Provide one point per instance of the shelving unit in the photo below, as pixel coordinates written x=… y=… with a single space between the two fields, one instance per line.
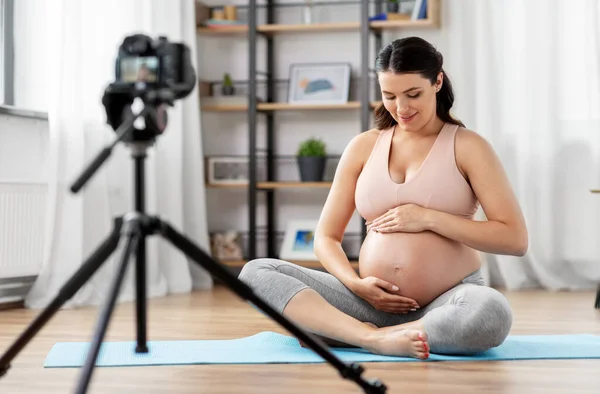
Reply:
x=286 y=107
x=282 y=107
x=268 y=107
x=272 y=29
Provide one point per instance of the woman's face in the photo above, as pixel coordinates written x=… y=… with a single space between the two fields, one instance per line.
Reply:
x=409 y=98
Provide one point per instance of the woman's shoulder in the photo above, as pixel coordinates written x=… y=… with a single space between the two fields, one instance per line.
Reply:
x=468 y=139
x=369 y=136
x=362 y=144
x=367 y=139
x=471 y=148
x=359 y=148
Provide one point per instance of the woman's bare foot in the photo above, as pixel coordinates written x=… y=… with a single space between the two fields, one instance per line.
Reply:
x=399 y=341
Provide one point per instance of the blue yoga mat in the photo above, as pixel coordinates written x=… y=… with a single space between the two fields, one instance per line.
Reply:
x=274 y=348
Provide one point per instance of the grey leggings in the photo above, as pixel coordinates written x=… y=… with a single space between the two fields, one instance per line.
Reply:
x=467 y=319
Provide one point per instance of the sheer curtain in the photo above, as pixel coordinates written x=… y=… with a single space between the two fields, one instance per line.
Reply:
x=84 y=37
x=526 y=75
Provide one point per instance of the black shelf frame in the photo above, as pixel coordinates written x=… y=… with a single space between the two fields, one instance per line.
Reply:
x=365 y=110
x=252 y=130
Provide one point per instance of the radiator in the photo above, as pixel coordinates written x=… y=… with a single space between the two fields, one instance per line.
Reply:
x=22 y=225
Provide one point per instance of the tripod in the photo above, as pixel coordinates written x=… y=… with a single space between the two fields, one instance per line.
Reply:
x=130 y=232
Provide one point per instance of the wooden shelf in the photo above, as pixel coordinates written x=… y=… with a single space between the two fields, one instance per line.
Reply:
x=291 y=185
x=285 y=107
x=295 y=107
x=222 y=31
x=227 y=185
x=307 y=264
x=224 y=108
x=316 y=27
x=272 y=29
x=273 y=185
x=388 y=25
x=595 y=190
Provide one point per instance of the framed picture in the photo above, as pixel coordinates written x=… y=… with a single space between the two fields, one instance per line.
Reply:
x=298 y=241
x=228 y=170
x=319 y=83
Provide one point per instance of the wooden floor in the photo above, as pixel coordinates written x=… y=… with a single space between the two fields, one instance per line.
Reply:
x=219 y=314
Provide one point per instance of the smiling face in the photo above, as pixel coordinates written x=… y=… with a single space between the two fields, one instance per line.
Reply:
x=409 y=98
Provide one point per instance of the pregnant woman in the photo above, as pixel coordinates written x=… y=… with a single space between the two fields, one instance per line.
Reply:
x=417 y=179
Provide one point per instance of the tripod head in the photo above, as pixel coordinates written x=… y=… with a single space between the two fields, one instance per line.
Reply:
x=156 y=72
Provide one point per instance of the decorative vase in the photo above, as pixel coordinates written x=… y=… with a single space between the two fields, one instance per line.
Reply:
x=227 y=90
x=312 y=168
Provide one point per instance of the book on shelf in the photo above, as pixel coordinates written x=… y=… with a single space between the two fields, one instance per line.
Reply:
x=419 y=10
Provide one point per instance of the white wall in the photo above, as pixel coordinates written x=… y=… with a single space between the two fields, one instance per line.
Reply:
x=31 y=55
x=23 y=149
x=24 y=141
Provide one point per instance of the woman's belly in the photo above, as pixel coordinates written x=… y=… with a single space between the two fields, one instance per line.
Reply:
x=423 y=265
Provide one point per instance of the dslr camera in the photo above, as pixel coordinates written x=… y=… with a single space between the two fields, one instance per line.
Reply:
x=154 y=70
x=146 y=65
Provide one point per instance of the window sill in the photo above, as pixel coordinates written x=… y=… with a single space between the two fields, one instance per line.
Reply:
x=23 y=113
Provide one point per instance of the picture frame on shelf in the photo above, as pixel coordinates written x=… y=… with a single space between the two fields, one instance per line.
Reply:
x=319 y=83
x=229 y=170
x=298 y=241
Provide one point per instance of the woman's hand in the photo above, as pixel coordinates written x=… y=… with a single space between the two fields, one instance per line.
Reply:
x=383 y=295
x=408 y=218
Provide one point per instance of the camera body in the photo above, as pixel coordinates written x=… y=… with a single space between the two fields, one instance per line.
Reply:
x=146 y=64
x=156 y=71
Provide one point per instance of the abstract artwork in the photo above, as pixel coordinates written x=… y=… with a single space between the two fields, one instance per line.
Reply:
x=319 y=83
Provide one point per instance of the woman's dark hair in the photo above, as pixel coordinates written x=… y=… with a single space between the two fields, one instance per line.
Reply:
x=415 y=55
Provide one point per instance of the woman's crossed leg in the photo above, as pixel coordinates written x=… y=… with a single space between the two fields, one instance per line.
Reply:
x=467 y=319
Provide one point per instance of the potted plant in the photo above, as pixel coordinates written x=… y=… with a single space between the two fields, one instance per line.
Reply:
x=393 y=6
x=227 y=88
x=312 y=157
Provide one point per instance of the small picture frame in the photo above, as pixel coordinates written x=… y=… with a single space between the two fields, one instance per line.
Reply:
x=227 y=170
x=298 y=241
x=319 y=83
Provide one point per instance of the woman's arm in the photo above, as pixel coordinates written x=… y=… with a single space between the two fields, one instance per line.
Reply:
x=338 y=209
x=505 y=231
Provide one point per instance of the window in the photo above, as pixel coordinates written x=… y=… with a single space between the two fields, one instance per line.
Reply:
x=6 y=52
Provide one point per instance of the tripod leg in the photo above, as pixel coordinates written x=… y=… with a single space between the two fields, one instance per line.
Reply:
x=70 y=288
x=104 y=317
x=140 y=263
x=140 y=283
x=352 y=371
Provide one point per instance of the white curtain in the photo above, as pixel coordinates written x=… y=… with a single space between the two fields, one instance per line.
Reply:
x=84 y=37
x=526 y=75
